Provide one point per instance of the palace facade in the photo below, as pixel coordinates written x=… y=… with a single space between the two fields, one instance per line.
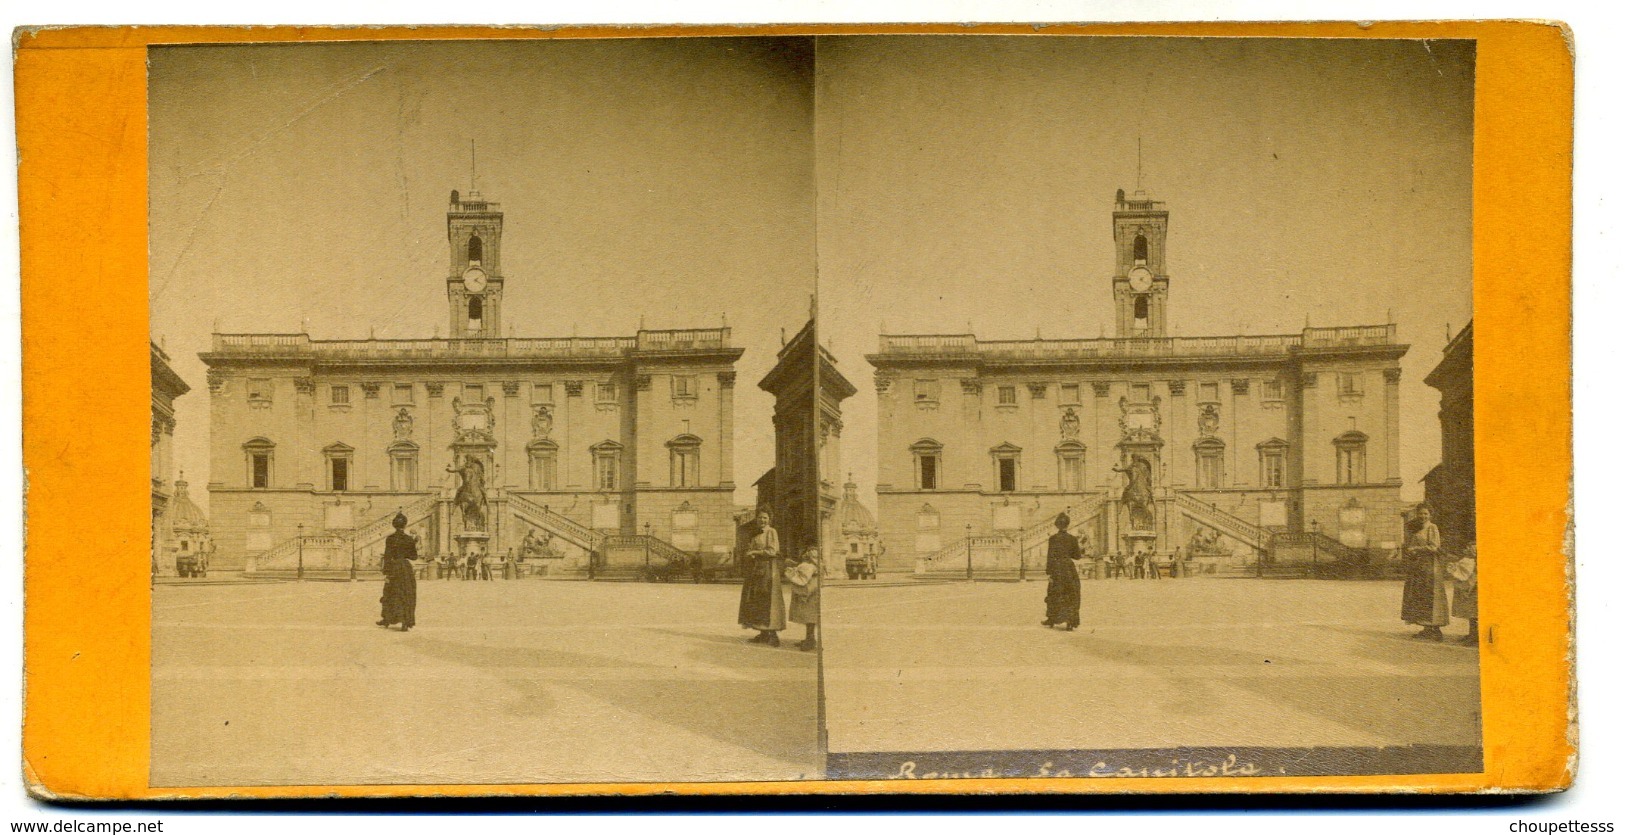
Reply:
x=600 y=450
x=1246 y=444
x=166 y=386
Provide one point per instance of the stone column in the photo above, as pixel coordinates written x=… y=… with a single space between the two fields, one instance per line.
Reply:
x=725 y=424
x=1390 y=406
x=1313 y=454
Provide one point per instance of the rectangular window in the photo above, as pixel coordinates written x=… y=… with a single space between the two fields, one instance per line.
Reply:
x=1274 y=467
x=684 y=467
x=403 y=473
x=1140 y=393
x=928 y=472
x=1007 y=395
x=259 y=391
x=339 y=395
x=1349 y=385
x=1210 y=470
x=262 y=470
x=1351 y=465
x=925 y=391
x=542 y=393
x=606 y=392
x=682 y=386
x=340 y=470
x=1208 y=392
x=543 y=471
x=1272 y=390
x=606 y=472
x=1007 y=475
x=1038 y=392
x=1071 y=394
x=1071 y=473
x=403 y=392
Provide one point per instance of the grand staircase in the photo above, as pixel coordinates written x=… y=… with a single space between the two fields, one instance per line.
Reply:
x=1236 y=528
x=1007 y=556
x=561 y=526
x=334 y=552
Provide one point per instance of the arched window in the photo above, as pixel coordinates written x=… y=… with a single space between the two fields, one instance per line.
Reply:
x=1209 y=463
x=1142 y=250
x=476 y=249
x=544 y=465
x=259 y=454
x=1350 y=457
x=1142 y=311
x=606 y=465
x=403 y=466
x=476 y=309
x=1069 y=466
x=685 y=460
x=927 y=464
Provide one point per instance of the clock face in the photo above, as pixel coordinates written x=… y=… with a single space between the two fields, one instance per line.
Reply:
x=1139 y=278
x=474 y=279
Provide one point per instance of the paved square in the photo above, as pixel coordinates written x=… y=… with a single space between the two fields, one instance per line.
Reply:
x=1156 y=664
x=501 y=682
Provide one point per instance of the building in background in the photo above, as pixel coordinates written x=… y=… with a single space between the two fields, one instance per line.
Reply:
x=166 y=386
x=593 y=452
x=1451 y=488
x=790 y=490
x=1222 y=447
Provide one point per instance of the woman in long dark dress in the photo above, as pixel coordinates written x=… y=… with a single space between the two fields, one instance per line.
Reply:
x=1063 y=603
x=761 y=599
x=400 y=600
x=1425 y=602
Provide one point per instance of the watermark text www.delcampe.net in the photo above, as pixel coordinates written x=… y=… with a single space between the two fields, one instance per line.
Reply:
x=111 y=827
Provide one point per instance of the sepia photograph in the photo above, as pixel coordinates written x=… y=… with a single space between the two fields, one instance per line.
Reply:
x=481 y=377
x=1158 y=441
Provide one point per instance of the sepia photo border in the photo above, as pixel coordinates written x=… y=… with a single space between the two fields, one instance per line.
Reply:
x=81 y=121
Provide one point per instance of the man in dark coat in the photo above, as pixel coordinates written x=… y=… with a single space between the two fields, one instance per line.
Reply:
x=1063 y=602
x=400 y=598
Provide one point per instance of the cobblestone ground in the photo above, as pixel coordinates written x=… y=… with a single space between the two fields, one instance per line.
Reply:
x=1200 y=662
x=501 y=682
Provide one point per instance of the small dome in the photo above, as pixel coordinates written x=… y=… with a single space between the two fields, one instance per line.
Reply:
x=854 y=518
x=186 y=516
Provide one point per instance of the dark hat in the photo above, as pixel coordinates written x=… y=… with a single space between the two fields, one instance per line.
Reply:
x=400 y=520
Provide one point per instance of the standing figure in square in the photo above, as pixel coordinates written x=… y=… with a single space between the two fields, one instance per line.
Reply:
x=761 y=599
x=1063 y=602
x=1426 y=603
x=400 y=600
x=804 y=596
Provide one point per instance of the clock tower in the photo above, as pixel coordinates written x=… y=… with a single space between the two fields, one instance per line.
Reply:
x=474 y=285
x=1140 y=282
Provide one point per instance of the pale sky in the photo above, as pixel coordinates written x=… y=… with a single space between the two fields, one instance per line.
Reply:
x=970 y=179
x=662 y=181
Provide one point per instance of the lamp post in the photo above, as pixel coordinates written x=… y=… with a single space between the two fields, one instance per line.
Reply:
x=1314 y=548
x=301 y=574
x=968 y=572
x=646 y=527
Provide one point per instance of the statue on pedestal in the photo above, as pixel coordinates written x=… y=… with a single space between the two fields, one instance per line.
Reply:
x=1137 y=493
x=470 y=497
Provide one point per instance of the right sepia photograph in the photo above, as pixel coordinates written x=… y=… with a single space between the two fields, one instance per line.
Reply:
x=1151 y=365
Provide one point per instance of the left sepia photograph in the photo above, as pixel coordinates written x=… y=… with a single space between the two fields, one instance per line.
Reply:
x=481 y=412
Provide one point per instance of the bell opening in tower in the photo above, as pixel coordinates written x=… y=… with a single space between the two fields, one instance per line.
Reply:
x=1141 y=251
x=1142 y=313
x=476 y=251
x=476 y=313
